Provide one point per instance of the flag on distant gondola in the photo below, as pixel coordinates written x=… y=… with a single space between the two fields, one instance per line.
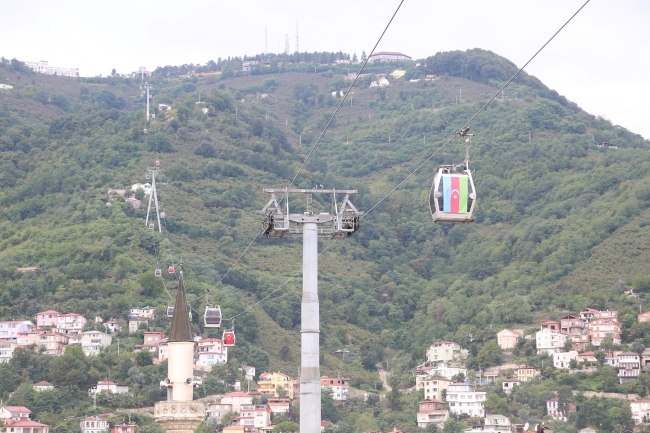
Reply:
x=455 y=192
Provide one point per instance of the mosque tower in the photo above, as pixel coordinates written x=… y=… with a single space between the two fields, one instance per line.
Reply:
x=180 y=414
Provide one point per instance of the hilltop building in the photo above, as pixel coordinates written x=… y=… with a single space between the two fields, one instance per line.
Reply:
x=388 y=56
x=338 y=385
x=43 y=67
x=508 y=338
x=268 y=383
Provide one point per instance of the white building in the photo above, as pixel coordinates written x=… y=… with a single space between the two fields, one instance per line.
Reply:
x=549 y=341
x=9 y=329
x=43 y=386
x=44 y=68
x=445 y=351
x=338 y=385
x=108 y=386
x=509 y=384
x=448 y=370
x=629 y=366
x=7 y=348
x=6 y=86
x=14 y=413
x=562 y=359
x=146 y=187
x=71 y=323
x=211 y=351
x=147 y=311
x=255 y=416
x=388 y=56
x=94 y=424
x=279 y=404
x=432 y=412
x=640 y=411
x=92 y=342
x=163 y=349
x=463 y=399
x=553 y=409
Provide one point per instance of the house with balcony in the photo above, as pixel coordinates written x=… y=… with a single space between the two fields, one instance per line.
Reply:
x=611 y=358
x=339 y=386
x=462 y=398
x=492 y=423
x=643 y=317
x=432 y=412
x=587 y=358
x=52 y=343
x=145 y=312
x=433 y=386
x=549 y=341
x=14 y=413
x=268 y=383
x=123 y=428
x=7 y=348
x=507 y=338
x=629 y=366
x=601 y=328
x=92 y=342
x=150 y=342
x=9 y=329
x=527 y=373
x=211 y=351
x=26 y=426
x=137 y=323
x=279 y=405
x=445 y=351
x=551 y=325
x=640 y=411
x=71 y=323
x=94 y=424
x=448 y=370
x=254 y=416
x=49 y=318
x=237 y=399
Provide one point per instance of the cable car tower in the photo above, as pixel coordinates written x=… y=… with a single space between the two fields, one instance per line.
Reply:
x=152 y=172
x=280 y=223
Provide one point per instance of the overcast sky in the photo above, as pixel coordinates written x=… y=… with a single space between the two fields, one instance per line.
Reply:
x=601 y=59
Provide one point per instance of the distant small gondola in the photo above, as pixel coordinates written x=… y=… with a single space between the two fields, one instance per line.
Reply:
x=170 y=311
x=228 y=339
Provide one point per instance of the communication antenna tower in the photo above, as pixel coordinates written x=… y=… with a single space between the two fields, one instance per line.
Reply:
x=286 y=43
x=143 y=69
x=279 y=223
x=297 y=45
x=153 y=171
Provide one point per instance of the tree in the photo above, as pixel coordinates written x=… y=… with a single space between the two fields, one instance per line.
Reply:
x=453 y=425
x=206 y=150
x=139 y=194
x=143 y=358
x=327 y=407
x=113 y=72
x=258 y=127
x=70 y=369
x=363 y=56
x=149 y=283
x=280 y=392
x=286 y=427
x=496 y=405
x=460 y=377
x=355 y=59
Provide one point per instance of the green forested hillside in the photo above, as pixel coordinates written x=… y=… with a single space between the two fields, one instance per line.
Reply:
x=560 y=222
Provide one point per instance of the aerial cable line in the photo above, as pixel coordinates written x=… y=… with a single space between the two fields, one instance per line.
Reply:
x=324 y=129
x=346 y=94
x=478 y=112
x=430 y=157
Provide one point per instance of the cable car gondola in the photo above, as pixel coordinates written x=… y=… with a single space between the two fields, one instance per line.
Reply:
x=453 y=195
x=171 y=269
x=151 y=227
x=212 y=317
x=228 y=339
x=170 y=311
x=158 y=272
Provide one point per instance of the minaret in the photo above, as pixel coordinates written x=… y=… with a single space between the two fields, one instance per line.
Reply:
x=180 y=414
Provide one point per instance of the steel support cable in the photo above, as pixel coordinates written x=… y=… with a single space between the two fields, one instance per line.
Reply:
x=321 y=134
x=431 y=156
x=477 y=113
x=346 y=95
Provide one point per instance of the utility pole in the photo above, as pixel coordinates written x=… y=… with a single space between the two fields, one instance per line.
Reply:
x=297 y=46
x=460 y=94
x=279 y=223
x=266 y=40
x=153 y=171
x=286 y=43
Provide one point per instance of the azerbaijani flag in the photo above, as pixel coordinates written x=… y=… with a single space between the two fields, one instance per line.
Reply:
x=455 y=192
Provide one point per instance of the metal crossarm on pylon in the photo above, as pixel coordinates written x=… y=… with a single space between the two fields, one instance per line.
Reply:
x=279 y=222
